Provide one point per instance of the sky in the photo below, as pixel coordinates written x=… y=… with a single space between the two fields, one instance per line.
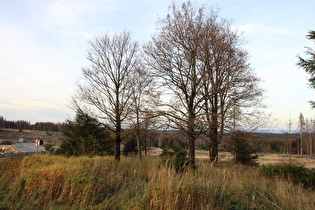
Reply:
x=44 y=43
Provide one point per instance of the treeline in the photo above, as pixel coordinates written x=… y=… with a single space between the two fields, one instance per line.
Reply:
x=26 y=125
x=47 y=126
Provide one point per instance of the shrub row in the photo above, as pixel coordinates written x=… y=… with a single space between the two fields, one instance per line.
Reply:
x=294 y=173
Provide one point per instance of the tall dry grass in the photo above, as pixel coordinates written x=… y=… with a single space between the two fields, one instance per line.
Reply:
x=55 y=182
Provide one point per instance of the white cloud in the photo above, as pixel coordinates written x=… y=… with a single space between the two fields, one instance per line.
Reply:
x=75 y=13
x=261 y=30
x=33 y=76
x=66 y=13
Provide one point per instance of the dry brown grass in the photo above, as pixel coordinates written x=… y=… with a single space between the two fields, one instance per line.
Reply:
x=43 y=181
x=263 y=159
x=10 y=149
x=267 y=159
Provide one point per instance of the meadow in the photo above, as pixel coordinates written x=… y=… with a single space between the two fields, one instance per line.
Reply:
x=14 y=135
x=56 y=182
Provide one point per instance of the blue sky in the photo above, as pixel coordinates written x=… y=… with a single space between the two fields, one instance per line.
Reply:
x=43 y=45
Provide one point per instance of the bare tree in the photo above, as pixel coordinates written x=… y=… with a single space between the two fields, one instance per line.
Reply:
x=199 y=59
x=309 y=144
x=141 y=94
x=149 y=127
x=230 y=83
x=107 y=86
x=173 y=54
x=302 y=128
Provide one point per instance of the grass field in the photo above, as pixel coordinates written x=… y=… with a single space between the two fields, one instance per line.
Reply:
x=14 y=135
x=55 y=182
x=264 y=158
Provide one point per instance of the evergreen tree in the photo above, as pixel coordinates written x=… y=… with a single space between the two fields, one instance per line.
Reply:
x=85 y=136
x=309 y=64
x=239 y=146
x=130 y=146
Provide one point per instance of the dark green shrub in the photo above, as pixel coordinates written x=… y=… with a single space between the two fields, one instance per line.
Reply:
x=276 y=145
x=49 y=148
x=6 y=143
x=85 y=136
x=130 y=146
x=297 y=174
x=238 y=145
x=175 y=158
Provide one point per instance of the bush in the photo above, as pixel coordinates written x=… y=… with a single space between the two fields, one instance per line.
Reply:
x=175 y=158
x=297 y=174
x=85 y=136
x=130 y=146
x=49 y=148
x=239 y=146
x=6 y=143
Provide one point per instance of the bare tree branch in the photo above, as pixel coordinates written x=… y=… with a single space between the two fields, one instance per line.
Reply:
x=108 y=80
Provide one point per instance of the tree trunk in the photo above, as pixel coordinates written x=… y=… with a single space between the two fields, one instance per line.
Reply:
x=145 y=143
x=118 y=141
x=117 y=145
x=213 y=152
x=191 y=139
x=301 y=145
x=138 y=133
x=145 y=137
x=138 y=144
x=191 y=151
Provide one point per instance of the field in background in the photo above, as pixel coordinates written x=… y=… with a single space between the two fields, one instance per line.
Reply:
x=30 y=135
x=263 y=158
x=10 y=149
x=54 y=138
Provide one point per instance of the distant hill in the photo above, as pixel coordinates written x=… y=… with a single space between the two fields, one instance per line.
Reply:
x=274 y=136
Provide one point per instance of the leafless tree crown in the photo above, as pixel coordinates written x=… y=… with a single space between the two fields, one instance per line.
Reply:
x=109 y=79
x=109 y=76
x=199 y=59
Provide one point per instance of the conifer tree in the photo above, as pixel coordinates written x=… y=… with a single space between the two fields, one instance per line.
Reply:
x=309 y=64
x=85 y=136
